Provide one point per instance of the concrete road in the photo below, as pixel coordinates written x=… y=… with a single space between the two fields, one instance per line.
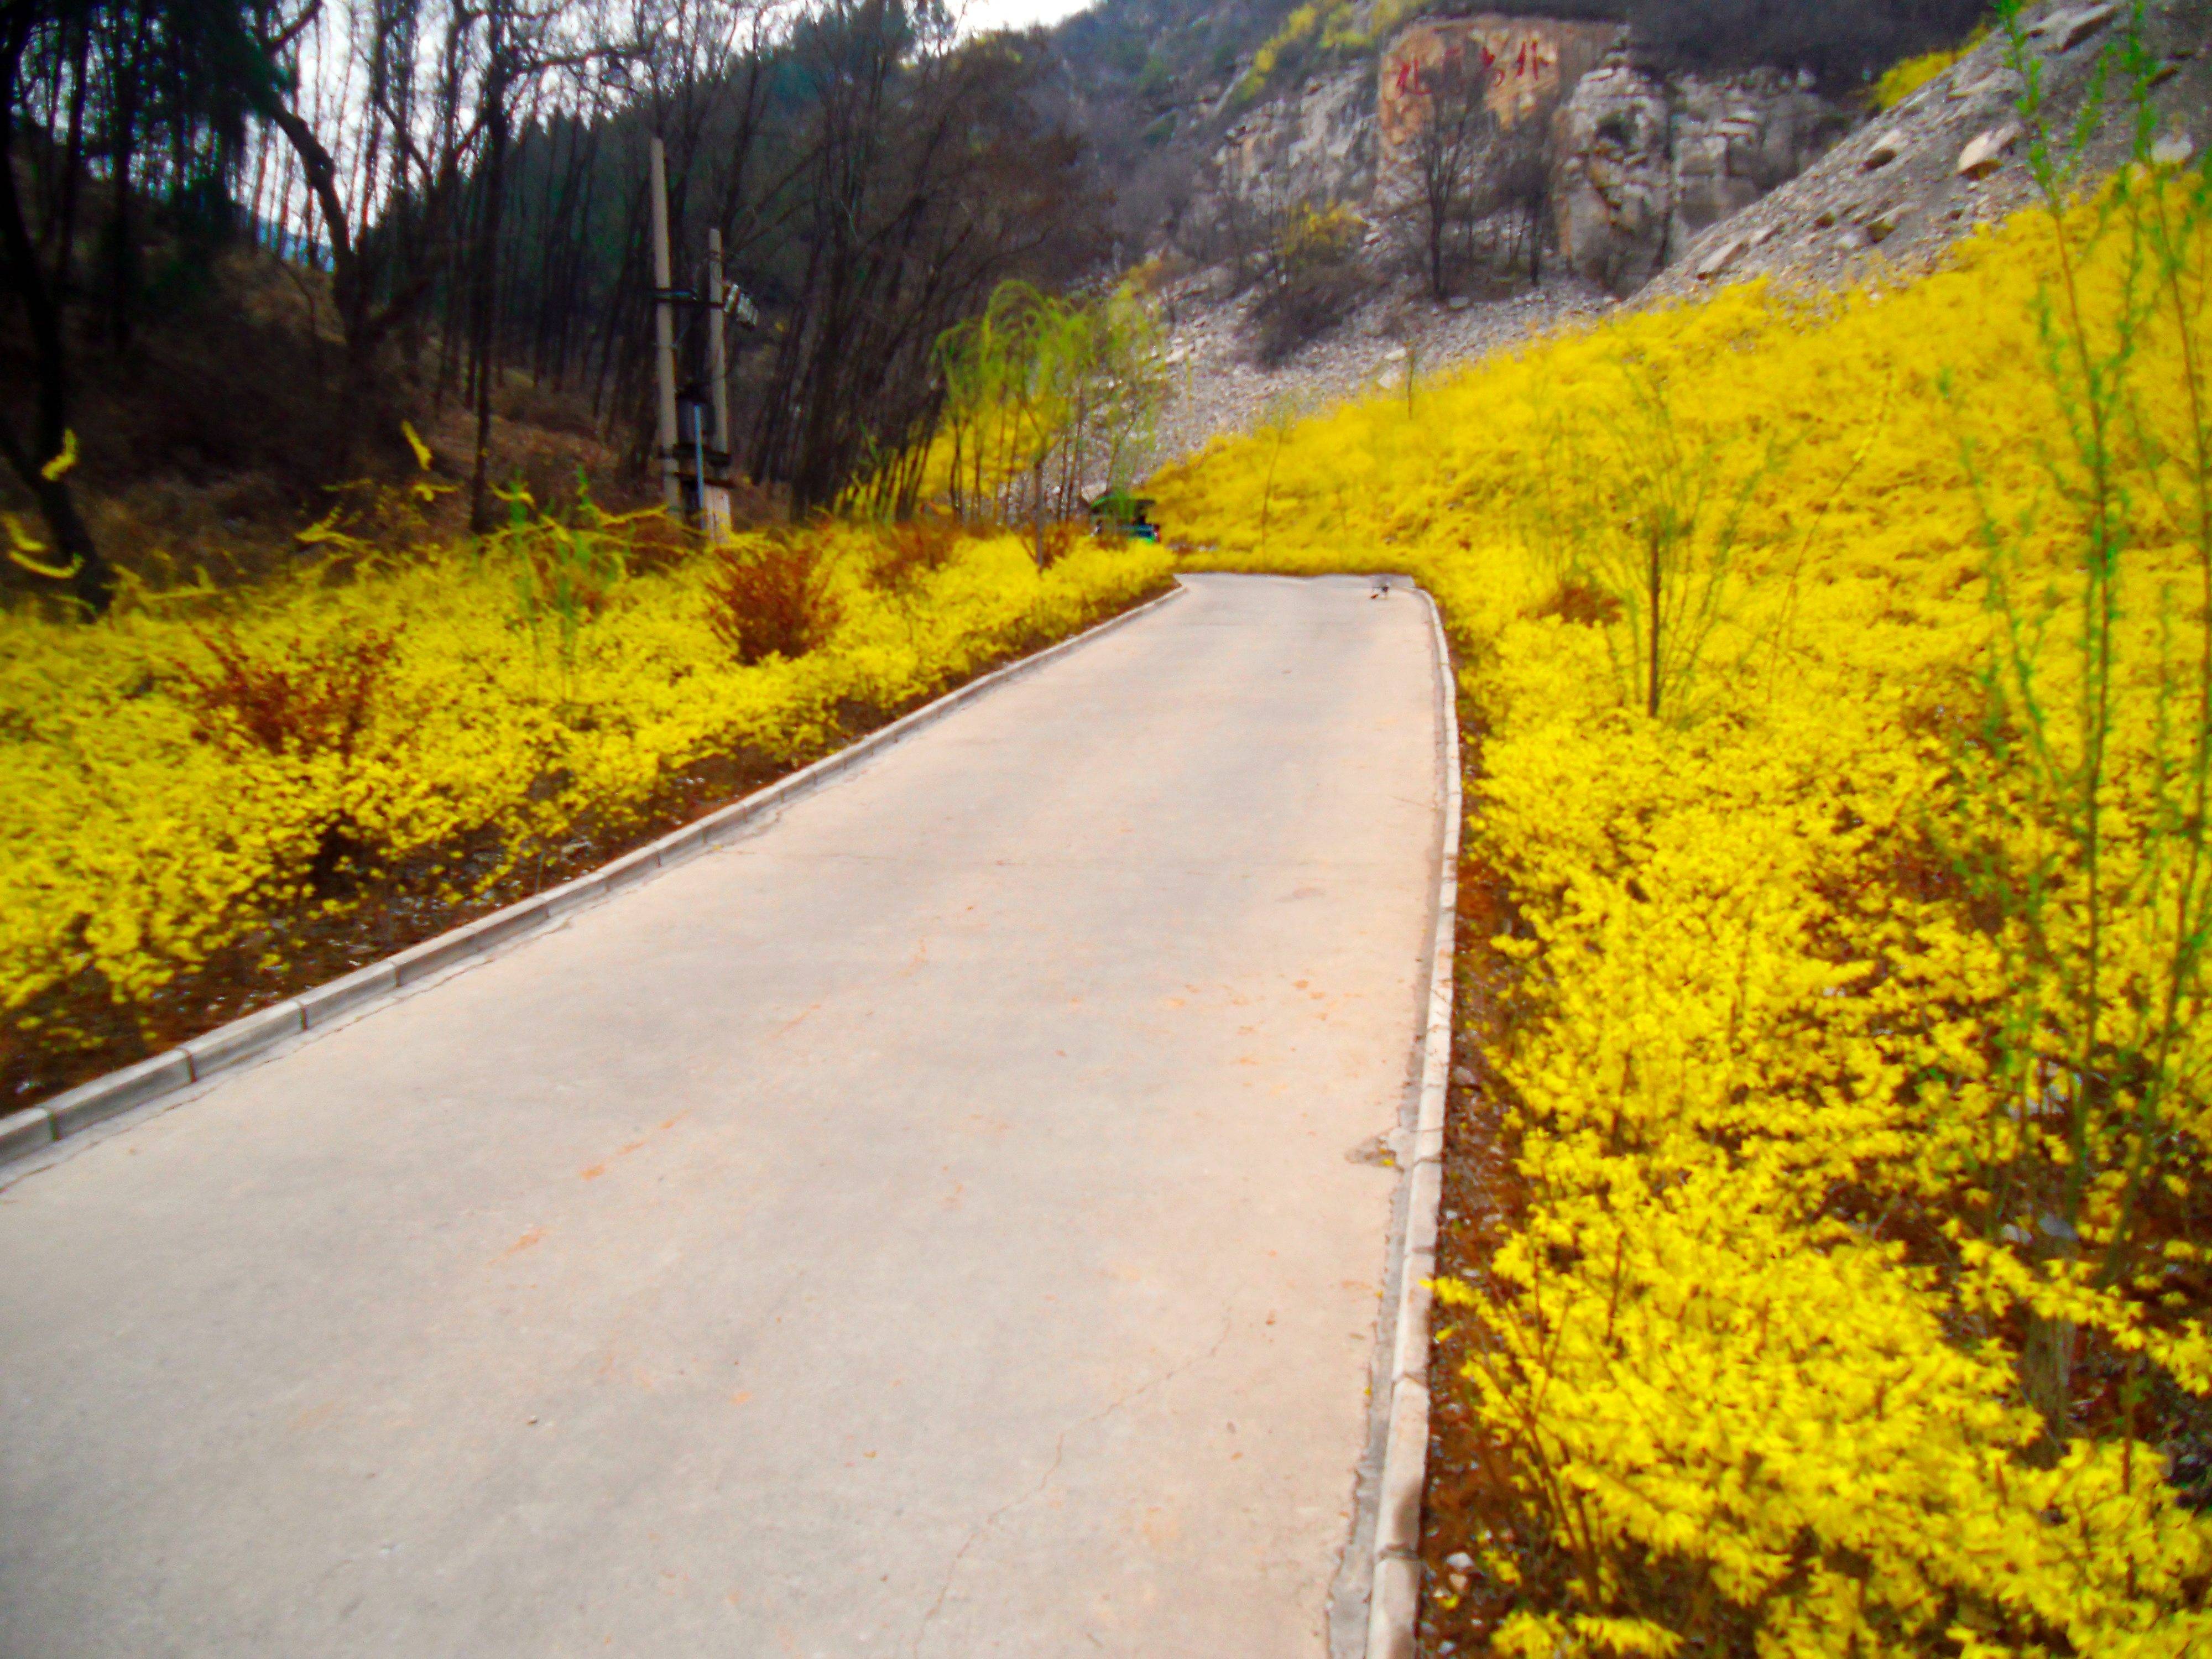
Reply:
x=927 y=1226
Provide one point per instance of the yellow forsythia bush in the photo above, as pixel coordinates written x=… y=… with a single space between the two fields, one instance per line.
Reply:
x=1842 y=677
x=197 y=762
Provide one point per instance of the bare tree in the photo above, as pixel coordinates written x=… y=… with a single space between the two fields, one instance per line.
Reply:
x=1515 y=173
x=924 y=179
x=387 y=197
x=38 y=462
x=470 y=174
x=1456 y=127
x=522 y=45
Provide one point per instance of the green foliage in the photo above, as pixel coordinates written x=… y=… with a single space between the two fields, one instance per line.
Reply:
x=1654 y=528
x=1045 y=397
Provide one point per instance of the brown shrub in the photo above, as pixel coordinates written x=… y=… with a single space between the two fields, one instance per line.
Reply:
x=1311 y=280
x=1060 y=537
x=315 y=700
x=1579 y=602
x=770 y=599
x=1308 y=305
x=914 y=549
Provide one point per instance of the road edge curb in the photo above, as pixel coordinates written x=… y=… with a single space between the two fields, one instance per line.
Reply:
x=1395 y=1593
x=32 y=1130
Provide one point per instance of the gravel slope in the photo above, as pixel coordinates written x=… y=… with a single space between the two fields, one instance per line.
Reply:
x=1886 y=204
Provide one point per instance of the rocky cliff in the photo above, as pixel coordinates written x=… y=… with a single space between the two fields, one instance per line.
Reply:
x=1895 y=194
x=1524 y=66
x=1642 y=166
x=1319 y=144
x=1643 y=158
x=1637 y=164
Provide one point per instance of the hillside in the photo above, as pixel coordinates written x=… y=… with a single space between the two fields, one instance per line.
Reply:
x=226 y=381
x=1888 y=193
x=1156 y=87
x=1826 y=1203
x=464 y=226
x=1954 y=157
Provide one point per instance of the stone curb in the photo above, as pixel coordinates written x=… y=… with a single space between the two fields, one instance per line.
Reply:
x=1395 y=1600
x=33 y=1129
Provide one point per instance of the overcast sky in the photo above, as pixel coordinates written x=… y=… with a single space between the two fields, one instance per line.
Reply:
x=978 y=14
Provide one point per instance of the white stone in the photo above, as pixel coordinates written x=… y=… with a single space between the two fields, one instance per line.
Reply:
x=1997 y=82
x=2064 y=30
x=2173 y=149
x=1721 y=258
x=1985 y=154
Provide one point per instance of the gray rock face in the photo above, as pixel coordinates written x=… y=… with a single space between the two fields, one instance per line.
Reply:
x=1953 y=156
x=1317 y=145
x=1737 y=137
x=1612 y=188
x=1641 y=168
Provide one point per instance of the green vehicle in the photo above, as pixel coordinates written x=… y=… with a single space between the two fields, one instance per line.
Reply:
x=1119 y=513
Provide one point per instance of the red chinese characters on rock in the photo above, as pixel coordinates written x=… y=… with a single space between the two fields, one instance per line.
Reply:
x=1527 y=67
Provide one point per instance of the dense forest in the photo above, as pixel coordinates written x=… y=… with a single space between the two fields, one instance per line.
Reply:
x=467 y=184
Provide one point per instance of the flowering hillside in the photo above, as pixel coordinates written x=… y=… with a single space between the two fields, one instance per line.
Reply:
x=1839 y=681
x=202 y=774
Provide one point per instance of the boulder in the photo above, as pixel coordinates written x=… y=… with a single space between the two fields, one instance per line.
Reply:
x=1612 y=183
x=1642 y=168
x=1985 y=153
x=1738 y=137
x=2062 y=30
x=1722 y=257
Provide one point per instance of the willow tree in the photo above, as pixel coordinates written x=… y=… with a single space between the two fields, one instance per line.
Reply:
x=1047 y=400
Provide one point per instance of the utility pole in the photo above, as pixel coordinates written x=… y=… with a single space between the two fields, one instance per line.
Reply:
x=719 y=368
x=663 y=336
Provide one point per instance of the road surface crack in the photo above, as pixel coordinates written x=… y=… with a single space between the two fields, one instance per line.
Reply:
x=1059 y=1451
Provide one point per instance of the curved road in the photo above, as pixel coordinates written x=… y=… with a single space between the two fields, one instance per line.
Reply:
x=931 y=1224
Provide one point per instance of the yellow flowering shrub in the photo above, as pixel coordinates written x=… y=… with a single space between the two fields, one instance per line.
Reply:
x=1907 y=76
x=1336 y=27
x=1841 y=672
x=199 y=763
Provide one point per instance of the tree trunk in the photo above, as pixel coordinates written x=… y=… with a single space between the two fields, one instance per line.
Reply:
x=1654 y=586
x=90 y=580
x=487 y=297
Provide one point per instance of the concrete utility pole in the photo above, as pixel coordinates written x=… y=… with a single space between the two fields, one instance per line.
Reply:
x=715 y=509
x=716 y=348
x=664 y=335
